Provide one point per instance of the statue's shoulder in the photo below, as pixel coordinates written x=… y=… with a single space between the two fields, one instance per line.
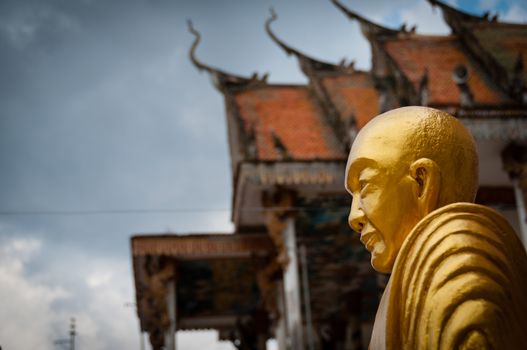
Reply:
x=459 y=278
x=462 y=218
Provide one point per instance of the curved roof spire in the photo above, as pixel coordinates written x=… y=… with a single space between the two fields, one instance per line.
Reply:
x=461 y=15
x=221 y=78
x=303 y=58
x=367 y=26
x=288 y=49
x=192 y=53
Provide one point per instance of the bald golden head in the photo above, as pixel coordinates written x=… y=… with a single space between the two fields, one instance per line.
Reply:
x=404 y=164
x=406 y=134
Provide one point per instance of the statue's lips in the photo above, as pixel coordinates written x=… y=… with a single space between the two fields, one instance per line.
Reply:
x=368 y=238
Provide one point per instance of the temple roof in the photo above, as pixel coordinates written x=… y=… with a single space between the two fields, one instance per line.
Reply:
x=351 y=93
x=287 y=124
x=429 y=61
x=506 y=42
x=354 y=95
x=274 y=122
x=499 y=46
x=438 y=56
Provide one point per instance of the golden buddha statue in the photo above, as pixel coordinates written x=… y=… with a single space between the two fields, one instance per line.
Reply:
x=458 y=270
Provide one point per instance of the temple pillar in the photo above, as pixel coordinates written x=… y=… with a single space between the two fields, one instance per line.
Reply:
x=292 y=288
x=281 y=329
x=514 y=158
x=520 y=194
x=307 y=299
x=170 y=334
x=280 y=224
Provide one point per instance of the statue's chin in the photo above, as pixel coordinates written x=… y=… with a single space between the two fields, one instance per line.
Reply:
x=381 y=265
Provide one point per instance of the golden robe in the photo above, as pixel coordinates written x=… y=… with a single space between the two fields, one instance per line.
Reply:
x=459 y=282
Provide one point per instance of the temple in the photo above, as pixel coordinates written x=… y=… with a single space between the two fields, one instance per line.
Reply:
x=293 y=270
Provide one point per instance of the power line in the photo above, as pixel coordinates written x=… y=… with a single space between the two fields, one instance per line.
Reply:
x=110 y=211
x=152 y=211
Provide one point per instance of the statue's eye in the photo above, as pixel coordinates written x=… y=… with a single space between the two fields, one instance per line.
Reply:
x=362 y=185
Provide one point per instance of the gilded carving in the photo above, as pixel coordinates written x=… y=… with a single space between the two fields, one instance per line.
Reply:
x=458 y=270
x=159 y=272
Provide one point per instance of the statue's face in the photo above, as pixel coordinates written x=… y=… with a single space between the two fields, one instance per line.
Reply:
x=384 y=194
x=404 y=164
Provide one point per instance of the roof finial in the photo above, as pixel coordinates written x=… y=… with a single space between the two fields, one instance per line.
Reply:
x=192 y=52
x=220 y=78
x=367 y=26
x=347 y=66
x=273 y=17
x=451 y=13
x=494 y=18
x=305 y=60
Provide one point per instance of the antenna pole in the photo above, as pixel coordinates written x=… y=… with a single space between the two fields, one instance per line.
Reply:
x=72 y=334
x=65 y=342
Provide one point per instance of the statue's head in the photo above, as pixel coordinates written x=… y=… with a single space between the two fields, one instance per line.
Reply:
x=404 y=164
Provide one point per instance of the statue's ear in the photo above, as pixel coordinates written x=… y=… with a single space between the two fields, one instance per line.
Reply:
x=427 y=175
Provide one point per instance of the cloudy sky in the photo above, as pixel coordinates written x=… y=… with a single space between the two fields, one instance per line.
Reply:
x=107 y=130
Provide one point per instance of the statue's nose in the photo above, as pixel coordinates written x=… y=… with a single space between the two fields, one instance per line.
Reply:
x=356 y=219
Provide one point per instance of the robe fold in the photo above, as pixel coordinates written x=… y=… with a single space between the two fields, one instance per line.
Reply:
x=459 y=282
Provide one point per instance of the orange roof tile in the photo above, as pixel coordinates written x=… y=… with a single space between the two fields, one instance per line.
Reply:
x=290 y=113
x=353 y=95
x=439 y=55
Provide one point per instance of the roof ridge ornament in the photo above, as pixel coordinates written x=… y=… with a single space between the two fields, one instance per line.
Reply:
x=221 y=79
x=404 y=28
x=288 y=49
x=350 y=66
x=368 y=27
x=449 y=11
x=304 y=59
x=192 y=52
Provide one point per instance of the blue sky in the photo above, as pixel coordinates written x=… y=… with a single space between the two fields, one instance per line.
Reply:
x=101 y=110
